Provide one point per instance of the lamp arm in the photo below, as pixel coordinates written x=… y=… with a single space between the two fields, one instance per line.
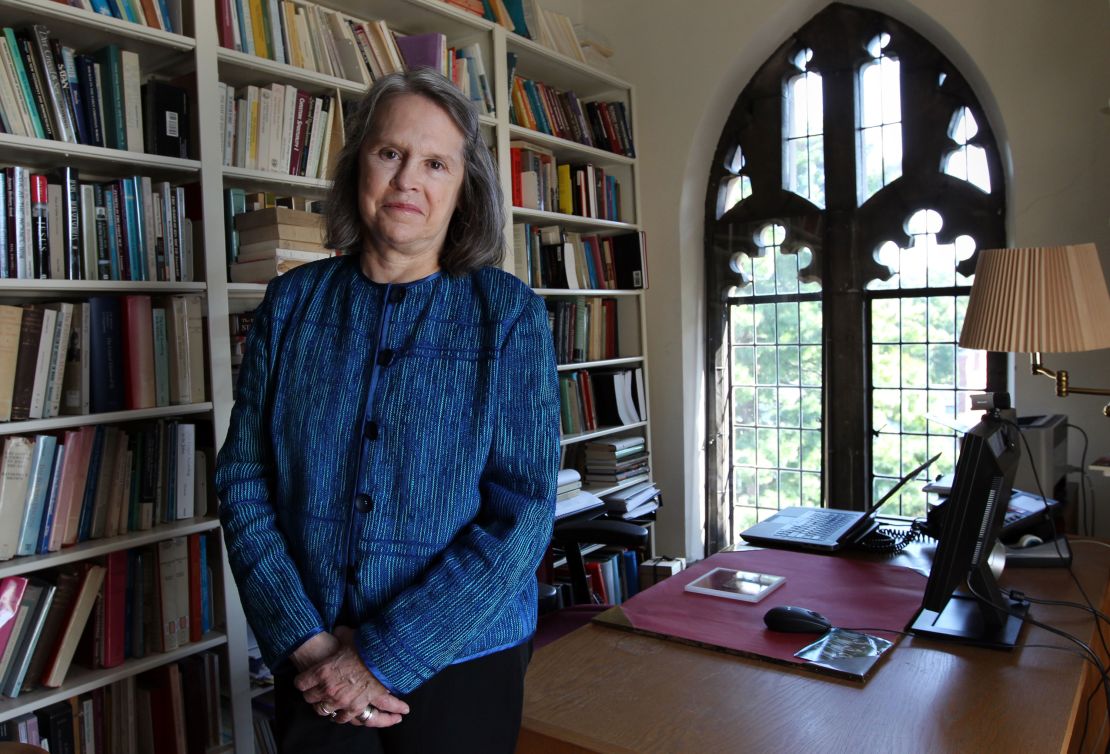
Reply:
x=1063 y=387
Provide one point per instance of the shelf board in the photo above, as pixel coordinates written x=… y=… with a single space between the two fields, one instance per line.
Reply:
x=35 y=289
x=281 y=183
x=602 y=432
x=240 y=69
x=81 y=680
x=32 y=426
x=416 y=16
x=541 y=63
x=574 y=222
x=88 y=31
x=46 y=153
x=95 y=547
x=569 y=151
x=575 y=292
x=600 y=363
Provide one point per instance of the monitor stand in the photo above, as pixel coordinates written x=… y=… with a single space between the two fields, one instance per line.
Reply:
x=963 y=620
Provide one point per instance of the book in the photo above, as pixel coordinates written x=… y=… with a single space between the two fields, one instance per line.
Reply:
x=91 y=579
x=11 y=318
x=173 y=591
x=38 y=488
x=138 y=352
x=265 y=269
x=106 y=382
x=11 y=593
x=15 y=477
x=66 y=584
x=37 y=596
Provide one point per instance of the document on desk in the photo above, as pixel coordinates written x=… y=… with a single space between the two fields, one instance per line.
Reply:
x=852 y=594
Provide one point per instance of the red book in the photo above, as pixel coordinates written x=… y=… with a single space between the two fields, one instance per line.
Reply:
x=300 y=123
x=11 y=592
x=115 y=608
x=598 y=581
x=138 y=352
x=514 y=153
x=223 y=22
x=195 y=568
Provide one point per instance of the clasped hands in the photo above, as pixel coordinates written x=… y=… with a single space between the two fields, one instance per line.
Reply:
x=335 y=681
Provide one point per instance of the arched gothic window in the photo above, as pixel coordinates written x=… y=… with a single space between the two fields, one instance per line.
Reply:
x=852 y=186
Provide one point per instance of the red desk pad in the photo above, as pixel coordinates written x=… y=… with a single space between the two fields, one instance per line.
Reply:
x=850 y=593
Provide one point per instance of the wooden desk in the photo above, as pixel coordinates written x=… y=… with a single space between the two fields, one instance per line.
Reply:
x=604 y=690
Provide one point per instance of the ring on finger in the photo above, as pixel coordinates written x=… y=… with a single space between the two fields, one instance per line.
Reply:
x=367 y=714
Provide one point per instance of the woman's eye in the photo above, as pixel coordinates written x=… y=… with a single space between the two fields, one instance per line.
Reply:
x=436 y=165
x=390 y=154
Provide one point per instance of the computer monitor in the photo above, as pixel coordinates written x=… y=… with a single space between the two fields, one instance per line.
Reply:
x=972 y=519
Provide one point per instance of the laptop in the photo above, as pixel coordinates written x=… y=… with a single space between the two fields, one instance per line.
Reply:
x=822 y=529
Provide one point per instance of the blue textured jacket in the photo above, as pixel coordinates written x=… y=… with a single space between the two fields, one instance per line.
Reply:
x=395 y=447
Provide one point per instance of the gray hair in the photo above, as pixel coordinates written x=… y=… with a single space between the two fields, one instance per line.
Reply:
x=474 y=235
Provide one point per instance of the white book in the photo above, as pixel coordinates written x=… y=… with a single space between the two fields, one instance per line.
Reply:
x=173 y=565
x=236 y=32
x=277 y=117
x=319 y=40
x=288 y=122
x=58 y=353
x=622 y=386
x=88 y=230
x=15 y=476
x=55 y=221
x=185 y=475
x=321 y=159
x=221 y=89
x=177 y=331
x=42 y=364
x=265 y=97
x=145 y=192
x=132 y=102
x=316 y=137
x=304 y=40
x=582 y=501
x=276 y=39
x=250 y=135
x=195 y=325
x=229 y=111
x=21 y=195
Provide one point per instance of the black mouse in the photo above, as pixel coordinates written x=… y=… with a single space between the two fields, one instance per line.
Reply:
x=796 y=620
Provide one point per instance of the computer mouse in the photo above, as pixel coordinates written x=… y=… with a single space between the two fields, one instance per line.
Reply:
x=796 y=620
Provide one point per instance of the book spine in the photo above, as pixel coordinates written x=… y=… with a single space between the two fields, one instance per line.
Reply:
x=39 y=98
x=40 y=228
x=67 y=74
x=115 y=121
x=90 y=96
x=23 y=80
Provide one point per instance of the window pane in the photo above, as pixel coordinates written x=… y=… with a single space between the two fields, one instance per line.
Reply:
x=878 y=123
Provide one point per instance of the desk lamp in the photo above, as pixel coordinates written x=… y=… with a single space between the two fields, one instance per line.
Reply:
x=1050 y=299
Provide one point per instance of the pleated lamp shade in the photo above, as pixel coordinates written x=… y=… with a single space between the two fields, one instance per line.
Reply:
x=1051 y=299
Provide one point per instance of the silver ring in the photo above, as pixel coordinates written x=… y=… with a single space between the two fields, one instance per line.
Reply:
x=367 y=714
x=323 y=710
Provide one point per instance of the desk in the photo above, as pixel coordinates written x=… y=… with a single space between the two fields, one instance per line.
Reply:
x=599 y=689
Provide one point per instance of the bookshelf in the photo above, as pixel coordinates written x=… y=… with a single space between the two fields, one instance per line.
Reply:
x=198 y=60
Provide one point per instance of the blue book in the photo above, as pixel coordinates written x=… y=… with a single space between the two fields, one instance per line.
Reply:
x=90 y=99
x=630 y=562
x=133 y=243
x=105 y=354
x=167 y=17
x=205 y=612
x=102 y=7
x=23 y=82
x=52 y=500
x=4 y=225
x=42 y=463
x=88 y=500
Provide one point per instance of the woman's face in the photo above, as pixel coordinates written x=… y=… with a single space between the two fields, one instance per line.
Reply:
x=410 y=174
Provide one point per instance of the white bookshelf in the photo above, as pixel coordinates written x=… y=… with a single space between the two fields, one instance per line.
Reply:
x=199 y=56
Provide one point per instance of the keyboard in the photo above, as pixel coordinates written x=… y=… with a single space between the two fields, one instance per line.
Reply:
x=817 y=525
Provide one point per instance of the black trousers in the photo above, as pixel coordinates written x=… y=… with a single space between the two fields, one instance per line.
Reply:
x=473 y=706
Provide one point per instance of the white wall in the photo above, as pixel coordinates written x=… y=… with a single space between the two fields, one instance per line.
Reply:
x=1041 y=70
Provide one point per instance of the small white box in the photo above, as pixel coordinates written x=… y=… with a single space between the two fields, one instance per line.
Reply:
x=656 y=569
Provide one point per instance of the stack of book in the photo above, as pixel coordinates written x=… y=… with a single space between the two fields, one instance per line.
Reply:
x=584 y=329
x=551 y=257
x=541 y=182
x=98 y=481
x=60 y=227
x=310 y=36
x=633 y=502
x=543 y=108
x=110 y=353
x=50 y=91
x=612 y=461
x=99 y=613
x=571 y=498
x=173 y=709
x=275 y=240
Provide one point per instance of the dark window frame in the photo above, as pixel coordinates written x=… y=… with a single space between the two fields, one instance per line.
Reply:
x=843 y=235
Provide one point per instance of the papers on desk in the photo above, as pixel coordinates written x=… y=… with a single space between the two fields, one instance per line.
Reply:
x=582 y=501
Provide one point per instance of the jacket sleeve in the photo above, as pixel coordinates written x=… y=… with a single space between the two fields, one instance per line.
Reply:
x=270 y=586
x=493 y=561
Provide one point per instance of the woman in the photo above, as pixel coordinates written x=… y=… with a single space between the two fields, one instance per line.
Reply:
x=389 y=476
